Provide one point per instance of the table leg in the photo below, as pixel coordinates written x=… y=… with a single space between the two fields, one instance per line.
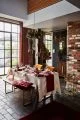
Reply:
x=35 y=99
x=44 y=100
x=23 y=97
x=12 y=88
x=51 y=97
x=28 y=102
x=5 y=87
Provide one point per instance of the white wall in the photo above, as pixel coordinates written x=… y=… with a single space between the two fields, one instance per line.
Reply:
x=15 y=8
x=51 y=12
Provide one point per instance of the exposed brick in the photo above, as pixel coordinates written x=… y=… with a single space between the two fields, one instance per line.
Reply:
x=74 y=43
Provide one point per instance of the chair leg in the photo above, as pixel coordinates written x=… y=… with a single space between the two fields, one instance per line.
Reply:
x=44 y=100
x=23 y=98
x=35 y=100
x=5 y=86
x=51 y=98
x=25 y=103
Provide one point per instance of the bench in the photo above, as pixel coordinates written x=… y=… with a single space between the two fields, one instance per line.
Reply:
x=21 y=84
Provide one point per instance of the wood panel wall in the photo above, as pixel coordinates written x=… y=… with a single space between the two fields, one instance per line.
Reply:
x=35 y=5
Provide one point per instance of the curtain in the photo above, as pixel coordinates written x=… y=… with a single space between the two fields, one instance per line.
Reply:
x=24 y=56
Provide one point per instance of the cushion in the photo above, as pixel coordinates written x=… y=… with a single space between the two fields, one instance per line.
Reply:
x=22 y=84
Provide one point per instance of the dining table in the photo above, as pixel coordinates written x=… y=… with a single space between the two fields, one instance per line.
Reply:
x=44 y=82
x=40 y=83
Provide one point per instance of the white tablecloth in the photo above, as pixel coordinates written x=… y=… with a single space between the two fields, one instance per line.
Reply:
x=40 y=82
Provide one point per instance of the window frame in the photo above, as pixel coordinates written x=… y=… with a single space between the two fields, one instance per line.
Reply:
x=4 y=41
x=46 y=41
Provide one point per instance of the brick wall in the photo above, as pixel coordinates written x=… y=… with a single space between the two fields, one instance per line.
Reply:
x=73 y=64
x=35 y=5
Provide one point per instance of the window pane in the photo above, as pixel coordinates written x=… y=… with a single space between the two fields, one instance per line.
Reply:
x=45 y=42
x=7 y=45
x=14 y=37
x=1 y=53
x=46 y=45
x=46 y=36
x=1 y=62
x=2 y=71
x=1 y=26
x=49 y=62
x=7 y=36
x=8 y=27
x=18 y=46
x=7 y=53
x=14 y=61
x=49 y=42
x=50 y=37
x=18 y=37
x=49 y=46
x=14 y=45
x=14 y=53
x=1 y=36
x=6 y=69
x=14 y=28
x=18 y=28
x=7 y=62
x=1 y=44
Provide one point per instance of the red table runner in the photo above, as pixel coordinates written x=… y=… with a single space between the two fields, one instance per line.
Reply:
x=49 y=80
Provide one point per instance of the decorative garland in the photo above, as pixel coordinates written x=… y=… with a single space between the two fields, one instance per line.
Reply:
x=43 y=52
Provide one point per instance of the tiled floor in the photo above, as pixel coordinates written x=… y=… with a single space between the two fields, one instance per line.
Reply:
x=69 y=98
x=11 y=105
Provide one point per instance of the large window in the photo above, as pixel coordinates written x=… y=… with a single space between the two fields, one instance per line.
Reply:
x=48 y=44
x=9 y=46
